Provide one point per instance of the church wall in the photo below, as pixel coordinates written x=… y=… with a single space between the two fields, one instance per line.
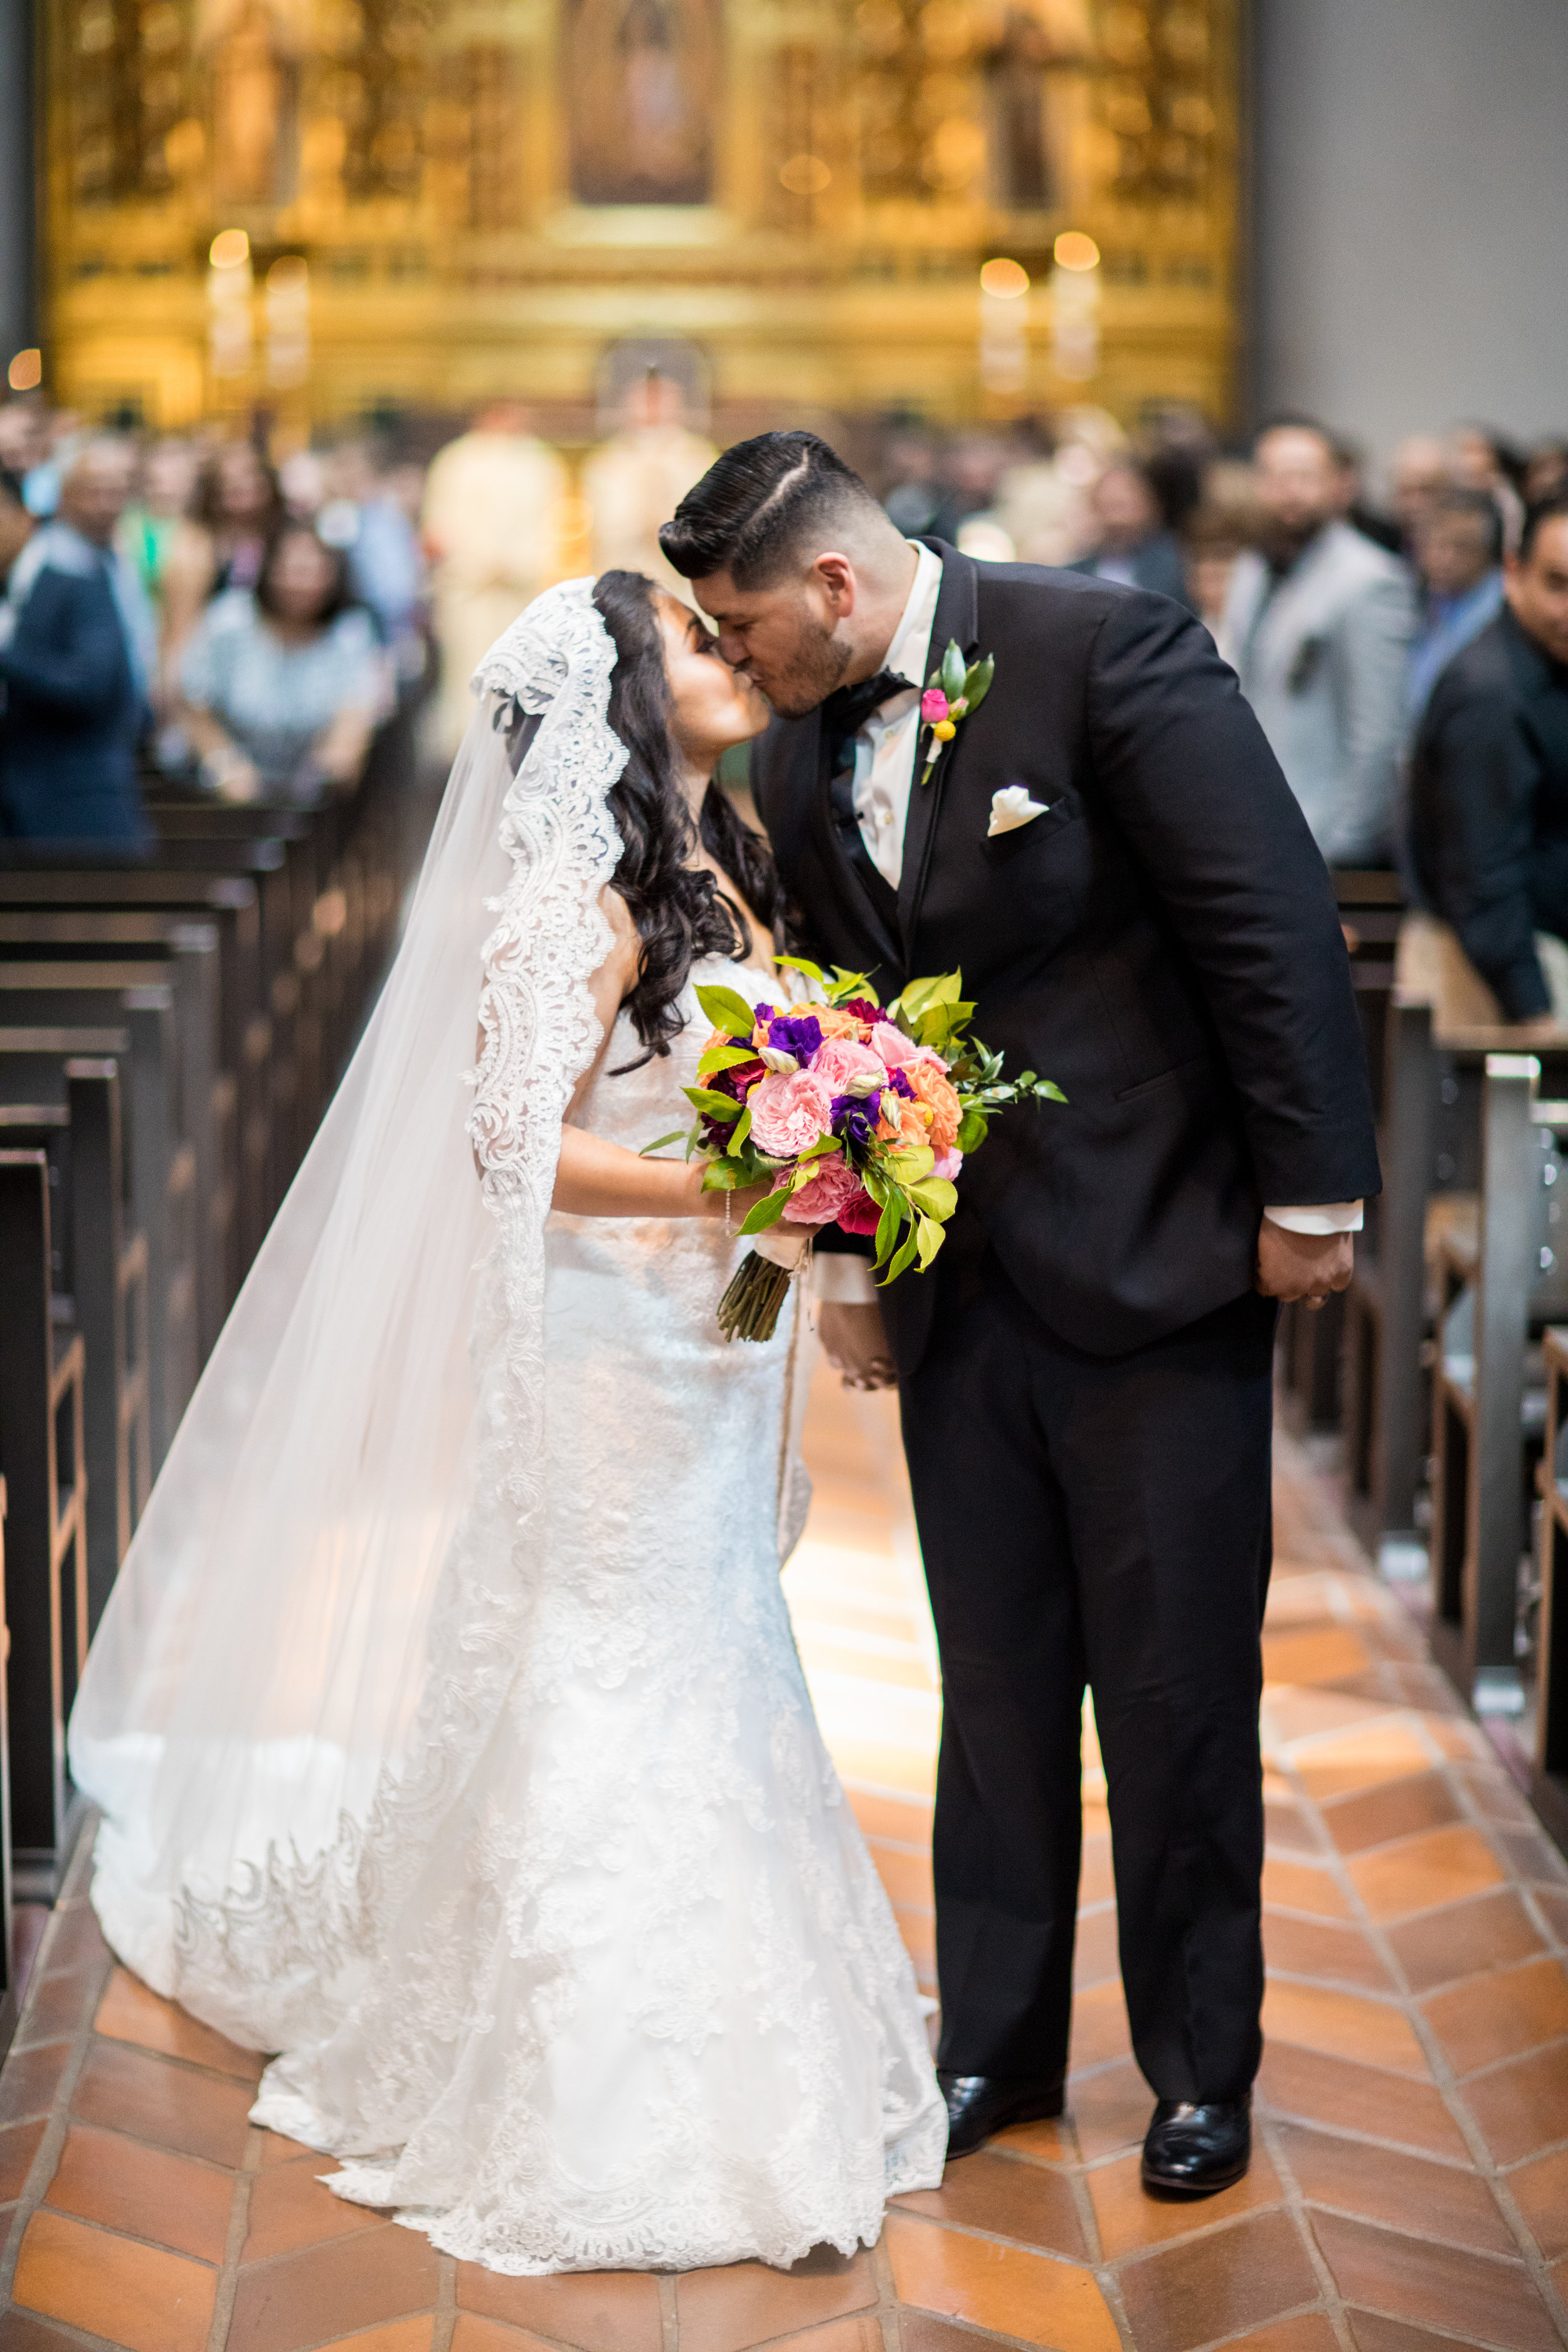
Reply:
x=1410 y=187
x=18 y=289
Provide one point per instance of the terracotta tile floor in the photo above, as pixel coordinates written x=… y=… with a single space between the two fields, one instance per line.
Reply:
x=1411 y=2184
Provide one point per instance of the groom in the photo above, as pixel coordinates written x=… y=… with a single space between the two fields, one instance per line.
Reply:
x=1085 y=1374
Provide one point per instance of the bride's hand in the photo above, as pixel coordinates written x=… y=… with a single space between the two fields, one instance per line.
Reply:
x=740 y=1204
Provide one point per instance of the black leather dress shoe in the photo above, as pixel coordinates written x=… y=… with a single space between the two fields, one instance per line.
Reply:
x=1191 y=2151
x=981 y=2105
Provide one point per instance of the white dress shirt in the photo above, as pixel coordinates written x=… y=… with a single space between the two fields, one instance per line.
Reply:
x=885 y=750
x=885 y=746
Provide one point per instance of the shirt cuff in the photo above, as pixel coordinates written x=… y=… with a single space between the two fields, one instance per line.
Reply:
x=1327 y=1217
x=840 y=1280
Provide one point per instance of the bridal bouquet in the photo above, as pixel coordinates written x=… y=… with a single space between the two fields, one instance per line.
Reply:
x=852 y=1113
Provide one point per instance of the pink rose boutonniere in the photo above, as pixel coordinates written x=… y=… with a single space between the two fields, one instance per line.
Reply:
x=954 y=691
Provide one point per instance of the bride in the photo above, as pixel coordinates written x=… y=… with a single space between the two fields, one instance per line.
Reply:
x=445 y=1721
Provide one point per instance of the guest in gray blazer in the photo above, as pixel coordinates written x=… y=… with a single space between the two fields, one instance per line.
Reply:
x=1321 y=622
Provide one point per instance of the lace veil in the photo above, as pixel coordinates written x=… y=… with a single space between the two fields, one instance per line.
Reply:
x=313 y=1634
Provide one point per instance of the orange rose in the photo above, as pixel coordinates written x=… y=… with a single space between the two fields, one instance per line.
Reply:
x=909 y=1125
x=835 y=1024
x=946 y=1111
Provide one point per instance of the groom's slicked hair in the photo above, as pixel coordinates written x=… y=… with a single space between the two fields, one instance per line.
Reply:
x=759 y=504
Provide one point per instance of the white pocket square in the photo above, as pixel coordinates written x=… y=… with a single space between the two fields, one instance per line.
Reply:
x=1011 y=807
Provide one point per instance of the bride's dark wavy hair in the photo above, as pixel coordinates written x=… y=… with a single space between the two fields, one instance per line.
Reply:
x=679 y=910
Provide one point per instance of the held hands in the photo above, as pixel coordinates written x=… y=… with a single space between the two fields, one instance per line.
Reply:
x=1303 y=1266
x=856 y=1344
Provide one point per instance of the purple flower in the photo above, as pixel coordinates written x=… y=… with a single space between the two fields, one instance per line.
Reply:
x=799 y=1033
x=854 y=1119
x=901 y=1085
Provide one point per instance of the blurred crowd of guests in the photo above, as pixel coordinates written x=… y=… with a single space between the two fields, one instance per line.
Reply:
x=178 y=613
x=1408 y=658
x=177 y=608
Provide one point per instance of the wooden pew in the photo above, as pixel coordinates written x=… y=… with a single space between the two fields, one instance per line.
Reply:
x=1385 y=1308
x=139 y=1019
x=1549 y=1777
x=256 y=1039
x=99 y=1277
x=41 y=1458
x=10 y=1998
x=210 y=1091
x=1498 y=1283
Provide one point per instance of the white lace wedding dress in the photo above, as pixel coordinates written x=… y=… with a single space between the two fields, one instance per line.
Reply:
x=445 y=1720
x=659 y=2013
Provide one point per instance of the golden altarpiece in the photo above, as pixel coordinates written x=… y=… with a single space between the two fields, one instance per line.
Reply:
x=326 y=206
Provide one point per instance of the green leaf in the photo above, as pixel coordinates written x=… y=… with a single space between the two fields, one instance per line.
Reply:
x=743 y=1128
x=887 y=1225
x=903 y=1257
x=1052 y=1093
x=678 y=1135
x=972 y=1129
x=953 y=668
x=912 y=1163
x=936 y=1195
x=723 y=1176
x=723 y=1057
x=946 y=989
x=977 y=683
x=803 y=964
x=915 y=997
x=930 y=1237
x=768 y=1212
x=727 y=1011
x=720 y=1106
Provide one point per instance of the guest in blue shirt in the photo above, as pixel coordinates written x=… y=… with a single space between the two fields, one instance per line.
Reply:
x=1459 y=552
x=76 y=645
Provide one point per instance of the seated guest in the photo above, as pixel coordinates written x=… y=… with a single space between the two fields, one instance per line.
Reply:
x=1458 y=553
x=1318 y=624
x=1489 y=783
x=76 y=645
x=1131 y=542
x=219 y=544
x=281 y=687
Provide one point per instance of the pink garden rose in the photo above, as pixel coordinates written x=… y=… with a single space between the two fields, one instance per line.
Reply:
x=948 y=1164
x=892 y=1045
x=838 y=1062
x=933 y=705
x=790 y=1109
x=829 y=1192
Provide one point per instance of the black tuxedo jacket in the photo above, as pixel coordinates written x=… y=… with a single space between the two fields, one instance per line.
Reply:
x=1162 y=942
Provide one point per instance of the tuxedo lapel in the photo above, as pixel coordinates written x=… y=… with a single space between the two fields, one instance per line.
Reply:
x=957 y=618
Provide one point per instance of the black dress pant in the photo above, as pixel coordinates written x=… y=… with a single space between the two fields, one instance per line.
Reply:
x=1104 y=1521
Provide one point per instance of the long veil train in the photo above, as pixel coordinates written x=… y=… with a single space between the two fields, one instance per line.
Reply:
x=315 y=1618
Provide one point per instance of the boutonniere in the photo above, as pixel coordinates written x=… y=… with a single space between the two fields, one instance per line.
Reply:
x=953 y=692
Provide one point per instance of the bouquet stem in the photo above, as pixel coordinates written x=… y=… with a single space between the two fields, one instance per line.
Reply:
x=750 y=1307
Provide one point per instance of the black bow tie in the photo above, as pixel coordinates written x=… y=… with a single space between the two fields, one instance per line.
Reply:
x=846 y=709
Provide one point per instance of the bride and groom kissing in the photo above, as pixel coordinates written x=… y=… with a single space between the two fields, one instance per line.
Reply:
x=447 y=1724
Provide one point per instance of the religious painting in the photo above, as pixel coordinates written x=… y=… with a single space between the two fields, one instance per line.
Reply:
x=1034 y=42
x=642 y=79
x=252 y=51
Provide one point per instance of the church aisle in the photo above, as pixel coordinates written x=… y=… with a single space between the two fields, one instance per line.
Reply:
x=1411 y=2185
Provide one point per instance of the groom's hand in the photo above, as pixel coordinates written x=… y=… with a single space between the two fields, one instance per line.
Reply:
x=1303 y=1266
x=855 y=1343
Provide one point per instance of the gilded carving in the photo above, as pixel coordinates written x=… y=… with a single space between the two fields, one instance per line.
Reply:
x=491 y=195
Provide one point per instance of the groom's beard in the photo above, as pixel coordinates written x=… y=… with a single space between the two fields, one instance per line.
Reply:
x=800 y=683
